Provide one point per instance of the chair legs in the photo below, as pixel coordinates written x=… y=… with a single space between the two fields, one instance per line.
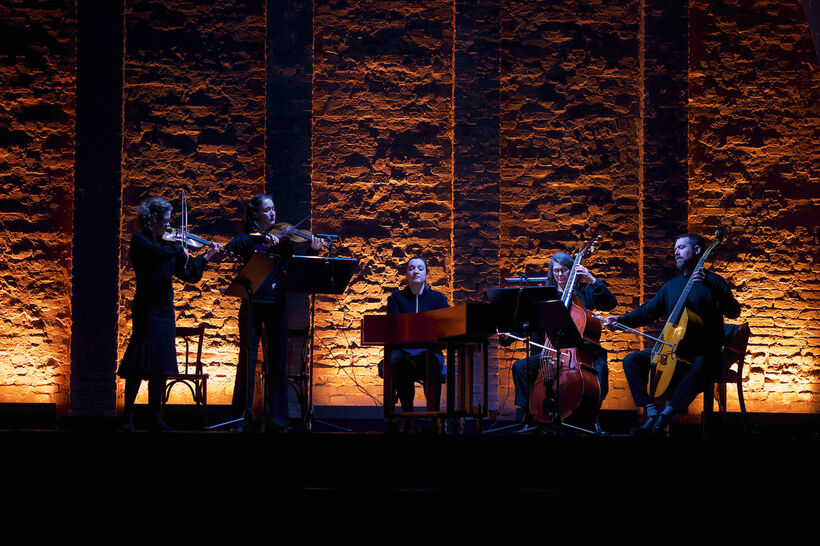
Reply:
x=719 y=387
x=199 y=393
x=742 y=408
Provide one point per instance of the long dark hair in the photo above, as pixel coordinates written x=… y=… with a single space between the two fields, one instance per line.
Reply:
x=254 y=206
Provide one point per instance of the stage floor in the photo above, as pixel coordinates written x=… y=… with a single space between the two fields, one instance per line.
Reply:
x=354 y=484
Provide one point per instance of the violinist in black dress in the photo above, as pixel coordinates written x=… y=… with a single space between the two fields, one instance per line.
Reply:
x=711 y=299
x=268 y=315
x=151 y=352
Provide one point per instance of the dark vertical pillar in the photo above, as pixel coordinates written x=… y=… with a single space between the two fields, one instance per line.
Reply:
x=289 y=68
x=666 y=186
x=477 y=156
x=288 y=118
x=477 y=149
x=97 y=194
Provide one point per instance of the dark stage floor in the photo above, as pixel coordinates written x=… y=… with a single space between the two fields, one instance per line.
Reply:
x=357 y=484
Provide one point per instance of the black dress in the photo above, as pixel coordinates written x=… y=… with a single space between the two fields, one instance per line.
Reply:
x=151 y=350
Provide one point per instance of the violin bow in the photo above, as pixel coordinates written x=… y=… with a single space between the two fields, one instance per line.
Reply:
x=184 y=227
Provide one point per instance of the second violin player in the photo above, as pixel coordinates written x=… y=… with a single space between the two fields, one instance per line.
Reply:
x=268 y=316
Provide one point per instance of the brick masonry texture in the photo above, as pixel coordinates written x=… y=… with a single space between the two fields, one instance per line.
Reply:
x=486 y=136
x=753 y=132
x=36 y=170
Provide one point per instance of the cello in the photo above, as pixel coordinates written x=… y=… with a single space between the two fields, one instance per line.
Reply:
x=681 y=326
x=567 y=384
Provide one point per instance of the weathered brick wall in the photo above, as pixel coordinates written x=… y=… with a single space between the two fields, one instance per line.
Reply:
x=484 y=136
x=754 y=167
x=382 y=167
x=96 y=207
x=36 y=170
x=194 y=118
x=570 y=148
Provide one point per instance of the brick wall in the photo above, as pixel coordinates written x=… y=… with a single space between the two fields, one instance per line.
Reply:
x=753 y=170
x=36 y=169
x=382 y=167
x=570 y=145
x=486 y=136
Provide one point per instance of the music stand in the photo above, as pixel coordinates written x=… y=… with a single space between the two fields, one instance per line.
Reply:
x=317 y=275
x=514 y=306
x=514 y=312
x=557 y=323
x=244 y=285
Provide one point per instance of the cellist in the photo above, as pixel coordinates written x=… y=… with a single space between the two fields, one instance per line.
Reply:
x=711 y=299
x=593 y=294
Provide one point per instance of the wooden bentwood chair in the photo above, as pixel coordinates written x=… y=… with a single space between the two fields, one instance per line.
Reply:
x=193 y=375
x=734 y=356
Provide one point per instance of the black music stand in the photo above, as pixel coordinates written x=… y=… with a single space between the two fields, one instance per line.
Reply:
x=244 y=285
x=514 y=312
x=514 y=306
x=557 y=323
x=317 y=275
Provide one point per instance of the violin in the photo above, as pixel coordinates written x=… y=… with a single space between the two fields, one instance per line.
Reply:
x=175 y=236
x=182 y=237
x=297 y=236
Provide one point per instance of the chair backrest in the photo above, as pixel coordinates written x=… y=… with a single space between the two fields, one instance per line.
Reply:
x=188 y=333
x=734 y=348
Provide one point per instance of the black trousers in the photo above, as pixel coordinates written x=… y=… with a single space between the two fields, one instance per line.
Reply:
x=695 y=380
x=270 y=327
x=406 y=368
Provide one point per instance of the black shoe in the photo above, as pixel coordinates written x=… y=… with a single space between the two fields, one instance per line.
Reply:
x=160 y=426
x=127 y=423
x=661 y=426
x=238 y=427
x=646 y=428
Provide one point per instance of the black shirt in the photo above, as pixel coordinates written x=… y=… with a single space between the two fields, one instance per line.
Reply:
x=404 y=301
x=244 y=246
x=711 y=301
